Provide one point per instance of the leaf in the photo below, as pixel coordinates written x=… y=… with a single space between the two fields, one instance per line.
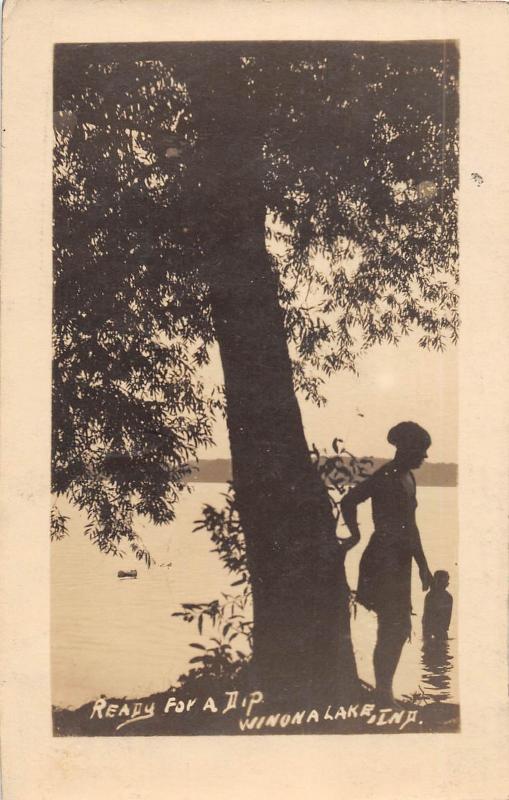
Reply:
x=315 y=452
x=335 y=444
x=197 y=646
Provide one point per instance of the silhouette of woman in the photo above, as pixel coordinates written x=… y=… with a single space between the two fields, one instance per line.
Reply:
x=386 y=564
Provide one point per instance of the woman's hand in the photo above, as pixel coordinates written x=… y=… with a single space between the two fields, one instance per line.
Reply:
x=347 y=544
x=426 y=578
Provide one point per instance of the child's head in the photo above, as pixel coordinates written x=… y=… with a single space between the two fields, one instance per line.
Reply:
x=440 y=579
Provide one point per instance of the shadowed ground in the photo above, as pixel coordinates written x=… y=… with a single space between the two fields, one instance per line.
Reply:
x=173 y=713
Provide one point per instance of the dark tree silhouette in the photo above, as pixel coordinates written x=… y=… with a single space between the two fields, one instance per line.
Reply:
x=294 y=202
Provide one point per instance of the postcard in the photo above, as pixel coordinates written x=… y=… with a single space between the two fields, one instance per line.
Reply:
x=253 y=400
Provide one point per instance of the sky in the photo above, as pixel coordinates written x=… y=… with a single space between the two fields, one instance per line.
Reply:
x=393 y=384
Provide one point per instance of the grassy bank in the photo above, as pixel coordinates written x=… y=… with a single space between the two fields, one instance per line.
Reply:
x=228 y=710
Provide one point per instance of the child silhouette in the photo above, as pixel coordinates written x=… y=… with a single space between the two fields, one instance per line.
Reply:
x=437 y=607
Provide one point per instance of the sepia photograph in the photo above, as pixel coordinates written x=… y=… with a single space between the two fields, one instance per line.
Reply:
x=253 y=409
x=254 y=420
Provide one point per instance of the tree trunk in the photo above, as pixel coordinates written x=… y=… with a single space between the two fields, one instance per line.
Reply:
x=300 y=596
x=302 y=647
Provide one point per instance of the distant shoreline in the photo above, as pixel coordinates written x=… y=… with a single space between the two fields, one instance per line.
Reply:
x=218 y=470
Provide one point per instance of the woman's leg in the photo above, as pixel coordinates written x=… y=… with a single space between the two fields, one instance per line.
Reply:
x=391 y=637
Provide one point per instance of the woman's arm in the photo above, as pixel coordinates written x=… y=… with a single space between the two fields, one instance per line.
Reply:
x=418 y=553
x=358 y=494
x=420 y=559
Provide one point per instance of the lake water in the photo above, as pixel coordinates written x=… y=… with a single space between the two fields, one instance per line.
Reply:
x=119 y=638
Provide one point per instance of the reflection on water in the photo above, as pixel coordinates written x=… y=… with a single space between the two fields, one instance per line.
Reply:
x=437 y=663
x=118 y=637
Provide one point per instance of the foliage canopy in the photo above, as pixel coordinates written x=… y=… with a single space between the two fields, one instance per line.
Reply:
x=357 y=157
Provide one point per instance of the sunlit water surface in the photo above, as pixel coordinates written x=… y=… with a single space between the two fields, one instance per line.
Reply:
x=118 y=637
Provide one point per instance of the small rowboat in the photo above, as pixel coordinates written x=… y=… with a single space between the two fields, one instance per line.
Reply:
x=129 y=573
